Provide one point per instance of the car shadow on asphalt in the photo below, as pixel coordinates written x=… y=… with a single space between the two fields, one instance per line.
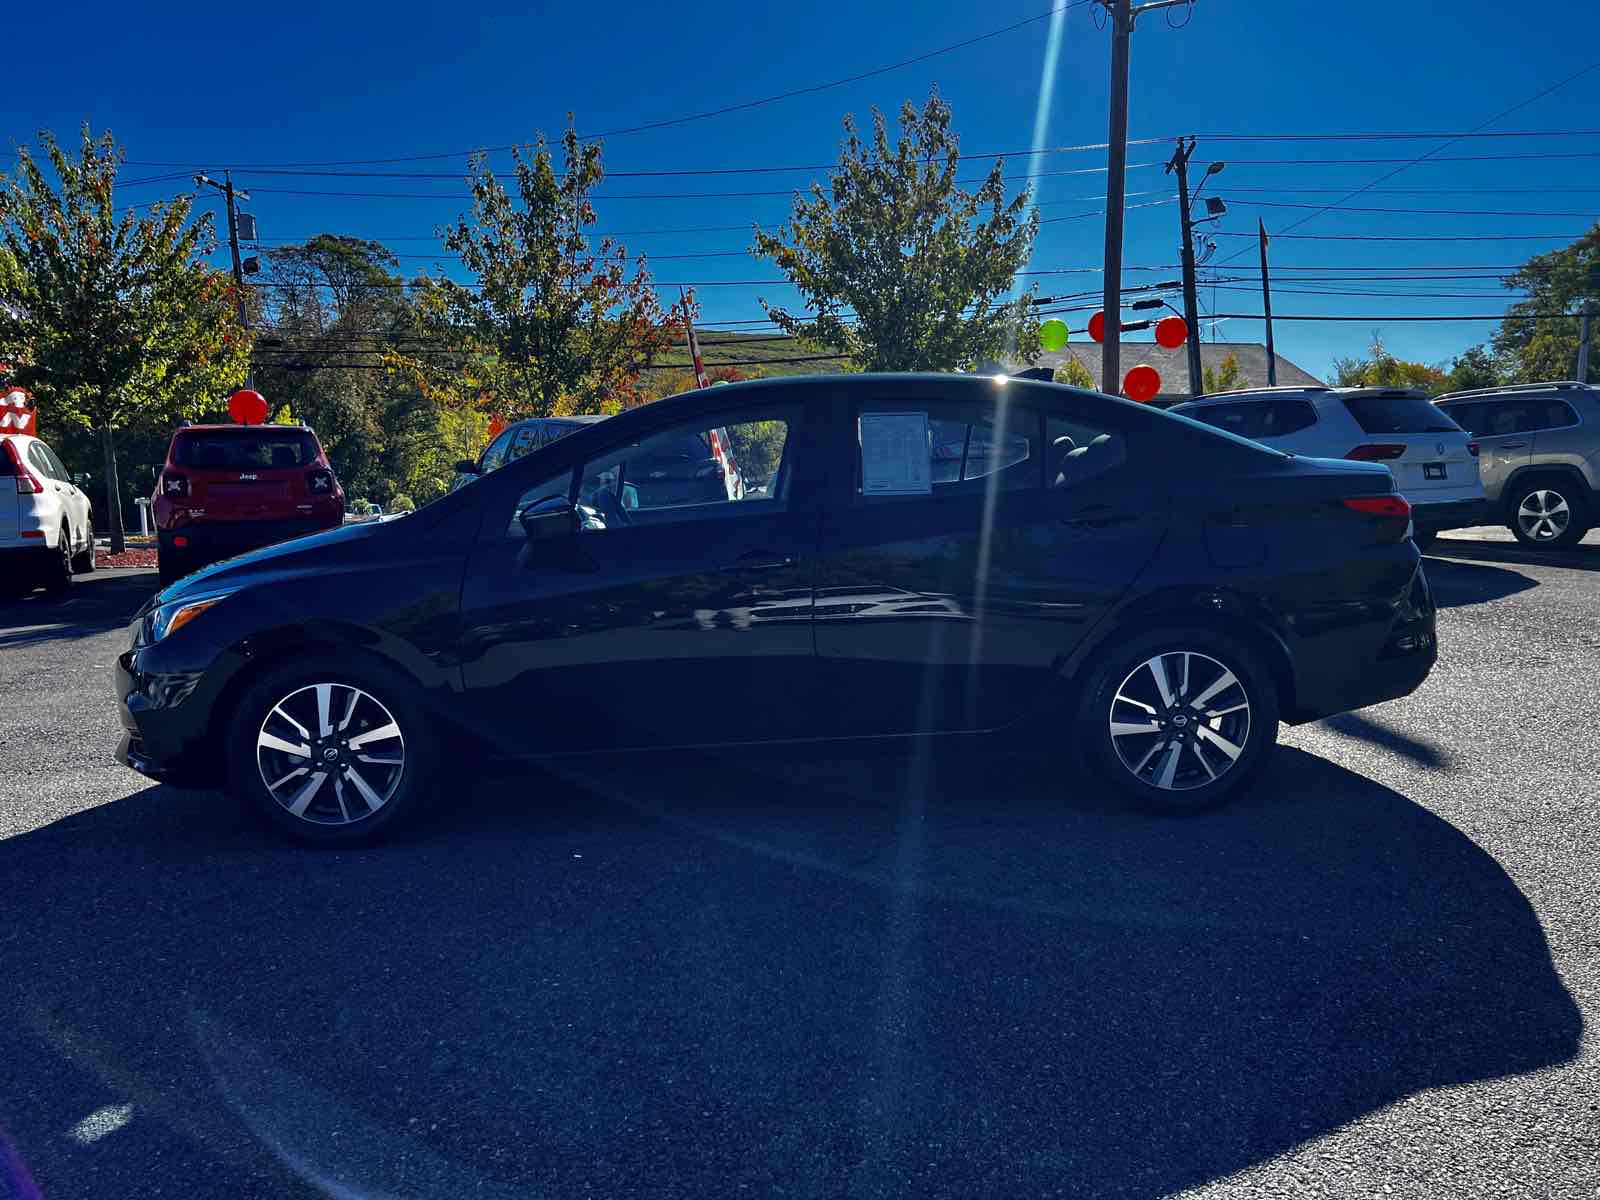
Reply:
x=1364 y=728
x=1459 y=583
x=1582 y=557
x=94 y=604
x=950 y=972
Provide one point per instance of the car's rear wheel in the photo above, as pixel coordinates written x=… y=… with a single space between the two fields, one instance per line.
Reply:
x=58 y=573
x=1179 y=719
x=1549 y=513
x=83 y=562
x=330 y=753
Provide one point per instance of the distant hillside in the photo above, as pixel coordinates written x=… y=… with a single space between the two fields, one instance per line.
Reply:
x=764 y=351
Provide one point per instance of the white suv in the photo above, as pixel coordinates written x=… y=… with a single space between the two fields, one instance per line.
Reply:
x=1433 y=460
x=46 y=530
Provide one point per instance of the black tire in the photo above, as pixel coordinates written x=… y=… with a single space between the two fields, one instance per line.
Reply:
x=291 y=689
x=58 y=573
x=1557 y=499
x=1125 y=672
x=83 y=563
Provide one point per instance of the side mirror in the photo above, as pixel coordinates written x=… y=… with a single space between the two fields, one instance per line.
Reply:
x=467 y=467
x=552 y=517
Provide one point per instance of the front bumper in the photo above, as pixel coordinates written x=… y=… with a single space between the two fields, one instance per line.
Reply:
x=165 y=711
x=1456 y=514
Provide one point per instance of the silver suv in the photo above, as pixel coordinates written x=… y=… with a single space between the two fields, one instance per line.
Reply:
x=1539 y=455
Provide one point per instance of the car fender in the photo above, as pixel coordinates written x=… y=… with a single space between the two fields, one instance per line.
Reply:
x=1565 y=471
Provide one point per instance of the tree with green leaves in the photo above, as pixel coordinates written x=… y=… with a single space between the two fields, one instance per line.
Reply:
x=553 y=322
x=1533 y=350
x=925 y=266
x=1381 y=369
x=1223 y=377
x=109 y=319
x=1474 y=368
x=1074 y=374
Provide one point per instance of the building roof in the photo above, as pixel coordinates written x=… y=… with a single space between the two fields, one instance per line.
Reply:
x=1174 y=364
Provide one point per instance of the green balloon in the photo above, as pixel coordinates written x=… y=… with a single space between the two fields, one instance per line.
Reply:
x=1053 y=335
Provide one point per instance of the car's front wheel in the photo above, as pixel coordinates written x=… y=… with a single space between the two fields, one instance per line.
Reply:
x=1179 y=719
x=58 y=572
x=1549 y=513
x=330 y=753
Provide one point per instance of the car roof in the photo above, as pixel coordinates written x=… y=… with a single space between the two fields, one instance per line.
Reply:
x=1518 y=389
x=231 y=428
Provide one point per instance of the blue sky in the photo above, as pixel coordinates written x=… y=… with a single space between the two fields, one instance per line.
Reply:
x=213 y=86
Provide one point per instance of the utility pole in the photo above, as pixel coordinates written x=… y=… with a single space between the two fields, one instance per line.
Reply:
x=1123 y=14
x=1191 y=303
x=1266 y=307
x=230 y=193
x=1585 y=326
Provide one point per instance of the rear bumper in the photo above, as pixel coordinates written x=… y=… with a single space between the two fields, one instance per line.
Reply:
x=1355 y=654
x=25 y=556
x=1455 y=514
x=209 y=541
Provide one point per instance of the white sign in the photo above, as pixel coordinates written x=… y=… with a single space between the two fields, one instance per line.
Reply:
x=895 y=455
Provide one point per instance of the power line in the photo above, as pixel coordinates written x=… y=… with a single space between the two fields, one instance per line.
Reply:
x=1434 y=153
x=1373 y=237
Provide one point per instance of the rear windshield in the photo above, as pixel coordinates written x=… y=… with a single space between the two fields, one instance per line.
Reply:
x=1399 y=414
x=225 y=450
x=690 y=447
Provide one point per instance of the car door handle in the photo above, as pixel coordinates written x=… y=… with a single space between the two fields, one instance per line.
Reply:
x=1512 y=445
x=762 y=560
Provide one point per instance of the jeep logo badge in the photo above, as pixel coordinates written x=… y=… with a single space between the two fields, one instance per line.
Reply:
x=242 y=478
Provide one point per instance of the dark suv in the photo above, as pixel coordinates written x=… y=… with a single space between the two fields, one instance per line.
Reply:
x=226 y=489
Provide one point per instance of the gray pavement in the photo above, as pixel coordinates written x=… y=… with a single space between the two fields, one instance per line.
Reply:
x=946 y=974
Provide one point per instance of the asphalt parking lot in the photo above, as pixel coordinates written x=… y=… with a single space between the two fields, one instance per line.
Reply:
x=946 y=974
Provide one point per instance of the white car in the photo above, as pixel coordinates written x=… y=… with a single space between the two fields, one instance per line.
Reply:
x=46 y=527
x=1433 y=460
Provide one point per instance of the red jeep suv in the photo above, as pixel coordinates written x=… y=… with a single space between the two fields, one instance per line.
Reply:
x=226 y=489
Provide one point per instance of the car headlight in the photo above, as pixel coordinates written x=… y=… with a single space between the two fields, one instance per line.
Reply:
x=173 y=616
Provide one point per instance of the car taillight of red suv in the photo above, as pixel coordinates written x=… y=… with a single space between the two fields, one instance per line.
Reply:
x=226 y=489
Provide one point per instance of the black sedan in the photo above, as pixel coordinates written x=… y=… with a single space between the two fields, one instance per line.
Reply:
x=930 y=554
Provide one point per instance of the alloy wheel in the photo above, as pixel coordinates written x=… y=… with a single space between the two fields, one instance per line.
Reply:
x=1180 y=720
x=330 y=754
x=1543 y=515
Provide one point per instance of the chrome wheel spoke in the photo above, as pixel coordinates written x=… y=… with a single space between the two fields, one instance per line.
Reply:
x=302 y=799
x=349 y=711
x=1220 y=742
x=1225 y=681
x=1169 y=768
x=271 y=741
x=375 y=735
x=324 y=702
x=1128 y=729
x=287 y=719
x=1149 y=754
x=1158 y=671
x=1200 y=754
x=374 y=801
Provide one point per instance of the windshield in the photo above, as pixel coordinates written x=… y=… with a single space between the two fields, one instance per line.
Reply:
x=1399 y=414
x=229 y=451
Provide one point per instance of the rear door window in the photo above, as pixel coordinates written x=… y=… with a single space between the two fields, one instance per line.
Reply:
x=1283 y=417
x=1399 y=414
x=1556 y=414
x=40 y=458
x=1241 y=420
x=907 y=449
x=255 y=450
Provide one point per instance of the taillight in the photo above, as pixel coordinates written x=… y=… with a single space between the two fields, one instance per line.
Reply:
x=27 y=482
x=175 y=485
x=1376 y=452
x=1472 y=449
x=320 y=481
x=1391 y=505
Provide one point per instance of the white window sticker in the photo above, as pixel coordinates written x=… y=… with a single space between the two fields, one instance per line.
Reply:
x=894 y=454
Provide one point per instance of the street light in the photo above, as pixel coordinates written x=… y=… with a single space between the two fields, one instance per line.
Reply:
x=1214 y=169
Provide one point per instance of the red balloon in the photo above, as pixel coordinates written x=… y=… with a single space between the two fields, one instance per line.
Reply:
x=1172 y=332
x=247 y=407
x=1142 y=383
x=1097 y=326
